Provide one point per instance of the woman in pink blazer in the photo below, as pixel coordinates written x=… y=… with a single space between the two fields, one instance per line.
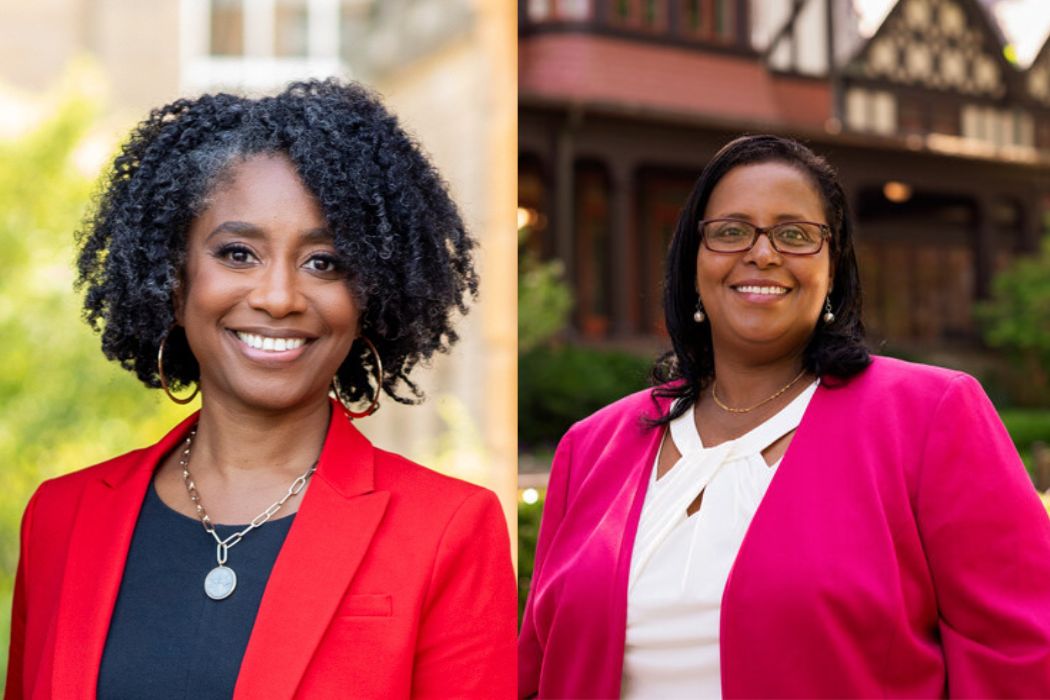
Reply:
x=899 y=550
x=292 y=257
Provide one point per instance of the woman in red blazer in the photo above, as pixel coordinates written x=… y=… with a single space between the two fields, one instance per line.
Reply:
x=898 y=549
x=271 y=252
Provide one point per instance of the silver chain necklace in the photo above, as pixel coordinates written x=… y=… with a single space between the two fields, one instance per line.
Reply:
x=222 y=580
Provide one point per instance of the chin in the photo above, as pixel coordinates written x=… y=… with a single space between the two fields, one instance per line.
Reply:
x=770 y=336
x=267 y=398
x=761 y=332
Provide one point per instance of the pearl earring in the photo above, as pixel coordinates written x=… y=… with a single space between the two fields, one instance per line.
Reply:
x=699 y=316
x=828 y=316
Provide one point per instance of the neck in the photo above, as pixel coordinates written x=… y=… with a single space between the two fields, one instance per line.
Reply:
x=742 y=383
x=234 y=441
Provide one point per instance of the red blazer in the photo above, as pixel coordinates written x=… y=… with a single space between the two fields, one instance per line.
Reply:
x=394 y=581
x=900 y=551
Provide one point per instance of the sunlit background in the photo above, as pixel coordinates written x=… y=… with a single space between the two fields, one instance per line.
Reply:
x=75 y=75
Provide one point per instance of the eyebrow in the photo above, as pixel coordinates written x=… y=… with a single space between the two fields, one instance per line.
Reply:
x=243 y=228
x=780 y=217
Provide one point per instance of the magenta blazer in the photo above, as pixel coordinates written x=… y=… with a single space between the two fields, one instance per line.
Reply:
x=900 y=551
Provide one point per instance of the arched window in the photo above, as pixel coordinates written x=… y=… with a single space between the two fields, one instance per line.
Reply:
x=663 y=192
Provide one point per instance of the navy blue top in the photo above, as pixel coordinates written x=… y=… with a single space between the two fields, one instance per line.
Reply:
x=167 y=638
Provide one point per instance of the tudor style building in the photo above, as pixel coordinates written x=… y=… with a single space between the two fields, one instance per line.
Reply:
x=942 y=143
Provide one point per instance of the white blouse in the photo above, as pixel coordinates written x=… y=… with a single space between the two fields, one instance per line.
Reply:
x=680 y=564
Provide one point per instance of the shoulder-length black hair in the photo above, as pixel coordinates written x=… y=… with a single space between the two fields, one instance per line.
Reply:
x=401 y=238
x=835 y=350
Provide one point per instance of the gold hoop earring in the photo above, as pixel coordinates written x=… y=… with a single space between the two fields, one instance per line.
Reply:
x=373 y=405
x=164 y=379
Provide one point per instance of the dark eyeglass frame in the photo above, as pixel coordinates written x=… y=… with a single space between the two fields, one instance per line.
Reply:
x=825 y=234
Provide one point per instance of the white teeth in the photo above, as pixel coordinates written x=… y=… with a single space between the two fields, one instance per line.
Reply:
x=260 y=342
x=753 y=289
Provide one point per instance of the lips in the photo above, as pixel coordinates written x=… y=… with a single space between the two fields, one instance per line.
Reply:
x=271 y=347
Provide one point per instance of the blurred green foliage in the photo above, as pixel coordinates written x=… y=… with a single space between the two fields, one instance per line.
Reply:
x=1027 y=426
x=544 y=300
x=63 y=405
x=558 y=386
x=1017 y=319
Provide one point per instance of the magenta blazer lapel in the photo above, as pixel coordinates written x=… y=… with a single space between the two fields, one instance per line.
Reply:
x=584 y=552
x=583 y=569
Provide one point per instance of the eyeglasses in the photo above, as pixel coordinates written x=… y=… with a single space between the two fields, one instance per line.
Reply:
x=790 y=237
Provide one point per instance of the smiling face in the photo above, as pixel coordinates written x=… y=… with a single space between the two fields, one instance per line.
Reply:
x=268 y=312
x=762 y=304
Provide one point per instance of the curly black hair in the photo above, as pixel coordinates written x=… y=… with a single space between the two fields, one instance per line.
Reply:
x=409 y=256
x=835 y=351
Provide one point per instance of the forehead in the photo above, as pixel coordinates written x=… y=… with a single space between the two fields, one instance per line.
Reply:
x=263 y=189
x=774 y=188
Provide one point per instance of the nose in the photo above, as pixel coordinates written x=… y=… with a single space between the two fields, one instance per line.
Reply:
x=762 y=253
x=277 y=291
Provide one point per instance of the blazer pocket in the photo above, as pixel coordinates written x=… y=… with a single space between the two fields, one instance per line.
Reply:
x=367 y=605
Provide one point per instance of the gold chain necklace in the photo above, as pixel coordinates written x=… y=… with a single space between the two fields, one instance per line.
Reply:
x=763 y=402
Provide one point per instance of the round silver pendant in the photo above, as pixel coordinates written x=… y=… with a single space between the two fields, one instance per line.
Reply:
x=220 y=582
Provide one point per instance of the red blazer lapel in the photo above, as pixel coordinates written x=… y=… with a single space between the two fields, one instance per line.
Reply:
x=98 y=549
x=330 y=536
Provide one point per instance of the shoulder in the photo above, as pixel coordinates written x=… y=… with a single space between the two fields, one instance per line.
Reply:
x=51 y=512
x=898 y=381
x=439 y=518
x=627 y=419
x=428 y=492
x=905 y=399
x=61 y=490
x=610 y=442
x=115 y=470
